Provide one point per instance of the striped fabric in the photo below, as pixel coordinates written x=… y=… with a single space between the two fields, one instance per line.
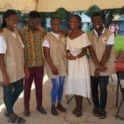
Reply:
x=32 y=41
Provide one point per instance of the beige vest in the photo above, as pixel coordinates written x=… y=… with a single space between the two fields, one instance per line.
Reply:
x=57 y=53
x=14 y=59
x=99 y=48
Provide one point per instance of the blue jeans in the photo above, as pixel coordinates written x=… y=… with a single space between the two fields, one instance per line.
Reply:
x=57 y=89
x=11 y=93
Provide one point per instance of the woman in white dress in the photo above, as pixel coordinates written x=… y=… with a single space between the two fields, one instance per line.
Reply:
x=78 y=77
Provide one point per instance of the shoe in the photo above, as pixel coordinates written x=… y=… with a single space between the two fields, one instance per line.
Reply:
x=102 y=114
x=54 y=111
x=41 y=110
x=61 y=108
x=26 y=112
x=96 y=112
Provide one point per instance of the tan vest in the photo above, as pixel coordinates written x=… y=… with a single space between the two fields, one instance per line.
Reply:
x=14 y=59
x=99 y=48
x=57 y=53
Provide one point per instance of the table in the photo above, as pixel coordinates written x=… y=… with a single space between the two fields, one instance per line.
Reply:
x=119 y=66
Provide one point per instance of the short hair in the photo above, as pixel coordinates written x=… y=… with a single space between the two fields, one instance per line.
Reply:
x=54 y=18
x=34 y=14
x=97 y=14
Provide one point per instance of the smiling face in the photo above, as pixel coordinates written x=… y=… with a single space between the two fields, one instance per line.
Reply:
x=55 y=24
x=74 y=23
x=11 y=22
x=97 y=22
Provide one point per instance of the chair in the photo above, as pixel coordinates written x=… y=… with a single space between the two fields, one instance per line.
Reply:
x=120 y=76
x=68 y=100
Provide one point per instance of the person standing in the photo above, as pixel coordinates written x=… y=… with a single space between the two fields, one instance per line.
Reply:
x=32 y=37
x=54 y=51
x=11 y=64
x=78 y=76
x=102 y=63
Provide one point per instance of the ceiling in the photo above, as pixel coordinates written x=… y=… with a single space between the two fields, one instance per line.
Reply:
x=53 y=5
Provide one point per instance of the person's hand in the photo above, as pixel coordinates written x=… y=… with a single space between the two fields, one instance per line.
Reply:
x=54 y=70
x=5 y=80
x=27 y=73
x=70 y=57
x=102 y=68
x=97 y=73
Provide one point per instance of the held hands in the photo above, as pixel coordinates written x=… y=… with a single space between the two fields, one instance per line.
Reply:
x=102 y=68
x=69 y=56
x=97 y=73
x=54 y=70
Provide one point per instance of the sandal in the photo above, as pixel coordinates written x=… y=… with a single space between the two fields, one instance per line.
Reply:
x=6 y=113
x=79 y=113
x=75 y=111
x=61 y=108
x=16 y=119
x=54 y=112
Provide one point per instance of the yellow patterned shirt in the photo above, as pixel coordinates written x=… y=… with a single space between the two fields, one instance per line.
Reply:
x=32 y=41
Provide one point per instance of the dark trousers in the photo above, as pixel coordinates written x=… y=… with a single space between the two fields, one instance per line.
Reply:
x=37 y=74
x=102 y=81
x=11 y=93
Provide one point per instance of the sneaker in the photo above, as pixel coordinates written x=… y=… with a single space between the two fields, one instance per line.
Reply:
x=102 y=114
x=96 y=112
x=41 y=110
x=26 y=112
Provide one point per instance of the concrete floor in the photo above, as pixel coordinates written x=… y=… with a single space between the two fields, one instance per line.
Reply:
x=68 y=117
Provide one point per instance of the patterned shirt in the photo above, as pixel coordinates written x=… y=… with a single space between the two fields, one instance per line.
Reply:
x=32 y=41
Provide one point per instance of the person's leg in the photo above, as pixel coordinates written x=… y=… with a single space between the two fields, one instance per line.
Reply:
x=103 y=81
x=79 y=108
x=38 y=80
x=7 y=97
x=76 y=108
x=95 y=98
x=27 y=90
x=94 y=90
x=18 y=88
x=54 y=94
x=60 y=94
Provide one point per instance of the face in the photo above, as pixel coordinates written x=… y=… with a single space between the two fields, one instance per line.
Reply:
x=55 y=24
x=74 y=23
x=12 y=21
x=97 y=22
x=34 y=23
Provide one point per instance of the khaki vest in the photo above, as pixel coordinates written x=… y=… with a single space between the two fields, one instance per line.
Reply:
x=99 y=48
x=57 y=54
x=14 y=59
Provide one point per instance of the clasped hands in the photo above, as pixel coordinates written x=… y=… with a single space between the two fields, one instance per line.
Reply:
x=99 y=68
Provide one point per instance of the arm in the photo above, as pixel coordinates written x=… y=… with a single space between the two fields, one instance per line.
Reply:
x=83 y=52
x=106 y=55
x=95 y=60
x=49 y=60
x=3 y=70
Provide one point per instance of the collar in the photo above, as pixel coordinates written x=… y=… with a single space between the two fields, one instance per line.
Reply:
x=103 y=31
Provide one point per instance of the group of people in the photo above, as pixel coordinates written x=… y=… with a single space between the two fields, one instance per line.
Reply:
x=24 y=53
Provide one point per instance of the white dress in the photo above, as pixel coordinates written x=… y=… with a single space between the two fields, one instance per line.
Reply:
x=78 y=77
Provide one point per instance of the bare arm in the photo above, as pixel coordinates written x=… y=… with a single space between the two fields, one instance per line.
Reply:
x=49 y=60
x=83 y=52
x=3 y=70
x=106 y=55
x=95 y=60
